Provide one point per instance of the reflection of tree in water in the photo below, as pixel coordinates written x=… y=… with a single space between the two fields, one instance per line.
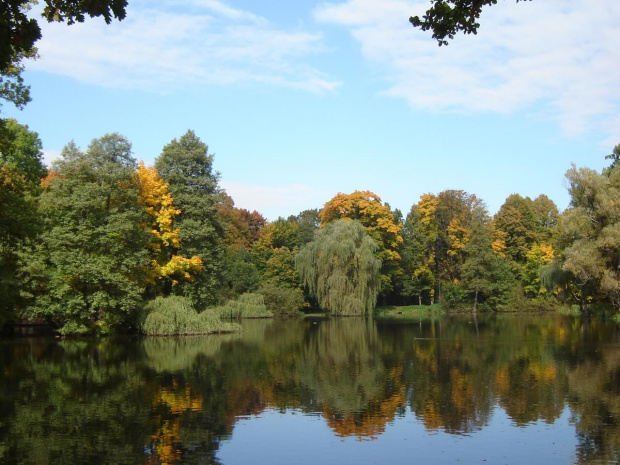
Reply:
x=451 y=373
x=95 y=402
x=594 y=393
x=342 y=364
x=171 y=403
x=448 y=373
x=457 y=369
x=529 y=383
x=165 y=399
x=530 y=390
x=371 y=421
x=172 y=354
x=71 y=402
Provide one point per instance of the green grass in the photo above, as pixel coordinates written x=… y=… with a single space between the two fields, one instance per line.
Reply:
x=409 y=311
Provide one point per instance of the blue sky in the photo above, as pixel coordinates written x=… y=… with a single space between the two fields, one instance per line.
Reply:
x=299 y=100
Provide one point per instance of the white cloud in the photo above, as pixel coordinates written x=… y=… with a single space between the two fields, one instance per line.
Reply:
x=274 y=201
x=49 y=156
x=221 y=8
x=559 y=59
x=164 y=49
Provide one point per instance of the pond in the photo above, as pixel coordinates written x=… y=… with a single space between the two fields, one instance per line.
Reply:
x=508 y=389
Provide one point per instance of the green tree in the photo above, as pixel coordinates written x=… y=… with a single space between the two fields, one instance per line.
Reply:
x=437 y=231
x=280 y=268
x=240 y=274
x=340 y=268
x=614 y=156
x=274 y=254
x=448 y=17
x=283 y=302
x=308 y=222
x=482 y=270
x=19 y=34
x=547 y=215
x=88 y=271
x=524 y=230
x=188 y=167
x=22 y=149
x=537 y=257
x=520 y=224
x=277 y=234
x=21 y=170
x=241 y=230
x=591 y=233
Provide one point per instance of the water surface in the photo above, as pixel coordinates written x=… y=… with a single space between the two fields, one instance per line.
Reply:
x=502 y=390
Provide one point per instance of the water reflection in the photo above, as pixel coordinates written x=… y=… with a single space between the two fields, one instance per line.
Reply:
x=173 y=400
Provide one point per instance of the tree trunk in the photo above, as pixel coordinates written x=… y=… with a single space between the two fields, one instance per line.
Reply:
x=476 y=301
x=582 y=299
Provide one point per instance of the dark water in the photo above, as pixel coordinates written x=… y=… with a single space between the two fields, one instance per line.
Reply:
x=509 y=390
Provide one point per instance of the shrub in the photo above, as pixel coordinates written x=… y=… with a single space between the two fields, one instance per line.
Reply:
x=175 y=315
x=284 y=302
x=248 y=305
x=455 y=297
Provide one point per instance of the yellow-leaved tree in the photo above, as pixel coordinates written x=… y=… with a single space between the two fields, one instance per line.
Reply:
x=420 y=236
x=167 y=268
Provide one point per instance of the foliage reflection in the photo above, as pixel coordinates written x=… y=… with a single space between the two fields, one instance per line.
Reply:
x=167 y=400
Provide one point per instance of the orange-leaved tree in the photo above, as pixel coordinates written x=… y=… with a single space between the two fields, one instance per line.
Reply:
x=380 y=224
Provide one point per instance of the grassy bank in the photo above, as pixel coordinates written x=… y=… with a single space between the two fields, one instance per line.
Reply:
x=409 y=311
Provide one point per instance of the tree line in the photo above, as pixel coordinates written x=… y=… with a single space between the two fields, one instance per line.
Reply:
x=86 y=243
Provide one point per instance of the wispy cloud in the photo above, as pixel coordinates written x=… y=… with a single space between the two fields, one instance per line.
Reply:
x=222 y=9
x=163 y=49
x=557 y=59
x=49 y=156
x=274 y=201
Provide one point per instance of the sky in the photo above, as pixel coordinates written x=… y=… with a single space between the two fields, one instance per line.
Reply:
x=300 y=100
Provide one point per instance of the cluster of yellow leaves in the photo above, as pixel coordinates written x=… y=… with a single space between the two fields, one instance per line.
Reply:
x=178 y=401
x=427 y=206
x=168 y=435
x=179 y=268
x=157 y=201
x=499 y=242
x=458 y=235
x=542 y=253
x=368 y=209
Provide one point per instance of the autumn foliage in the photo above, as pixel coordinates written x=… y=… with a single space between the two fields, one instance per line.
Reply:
x=158 y=203
x=379 y=223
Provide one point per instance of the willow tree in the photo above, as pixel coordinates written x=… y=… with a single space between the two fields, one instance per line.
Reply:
x=340 y=269
x=591 y=233
x=379 y=222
